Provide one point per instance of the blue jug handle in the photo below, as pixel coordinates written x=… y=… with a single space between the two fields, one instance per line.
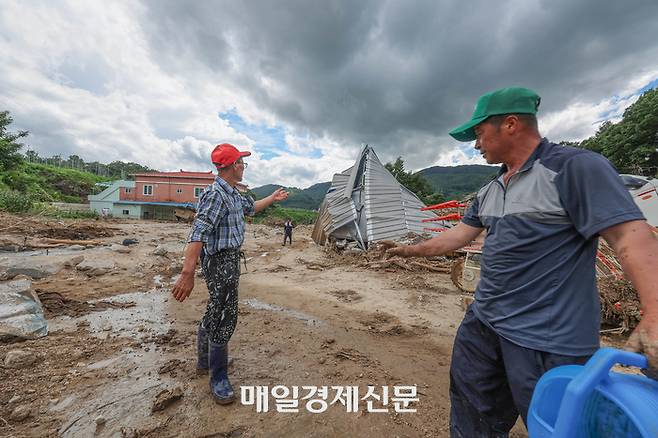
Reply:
x=578 y=390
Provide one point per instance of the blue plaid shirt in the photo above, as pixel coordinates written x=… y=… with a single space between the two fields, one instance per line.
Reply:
x=219 y=221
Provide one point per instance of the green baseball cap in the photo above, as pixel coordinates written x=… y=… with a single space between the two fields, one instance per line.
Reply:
x=513 y=100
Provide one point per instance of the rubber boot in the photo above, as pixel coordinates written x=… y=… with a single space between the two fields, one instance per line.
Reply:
x=221 y=388
x=202 y=351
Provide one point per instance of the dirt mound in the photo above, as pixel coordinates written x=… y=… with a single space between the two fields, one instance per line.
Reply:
x=55 y=304
x=376 y=258
x=346 y=295
x=35 y=226
x=76 y=231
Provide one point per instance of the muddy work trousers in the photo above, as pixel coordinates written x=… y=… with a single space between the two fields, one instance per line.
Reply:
x=492 y=380
x=287 y=236
x=222 y=274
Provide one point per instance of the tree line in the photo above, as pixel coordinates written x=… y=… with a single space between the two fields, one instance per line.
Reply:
x=632 y=144
x=115 y=169
x=11 y=158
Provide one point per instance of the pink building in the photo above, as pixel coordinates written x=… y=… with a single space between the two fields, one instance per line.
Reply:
x=155 y=195
x=175 y=187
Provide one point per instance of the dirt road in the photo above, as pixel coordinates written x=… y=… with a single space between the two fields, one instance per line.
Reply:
x=118 y=343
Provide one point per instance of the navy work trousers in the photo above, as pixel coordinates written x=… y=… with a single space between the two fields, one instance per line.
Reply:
x=492 y=380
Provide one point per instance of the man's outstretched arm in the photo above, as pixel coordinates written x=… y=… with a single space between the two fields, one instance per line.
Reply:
x=449 y=240
x=278 y=195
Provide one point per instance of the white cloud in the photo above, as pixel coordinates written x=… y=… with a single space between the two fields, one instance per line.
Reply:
x=455 y=157
x=581 y=120
x=146 y=82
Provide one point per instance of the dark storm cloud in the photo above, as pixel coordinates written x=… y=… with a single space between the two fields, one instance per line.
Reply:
x=396 y=74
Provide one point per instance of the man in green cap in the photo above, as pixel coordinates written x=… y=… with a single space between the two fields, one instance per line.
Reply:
x=536 y=305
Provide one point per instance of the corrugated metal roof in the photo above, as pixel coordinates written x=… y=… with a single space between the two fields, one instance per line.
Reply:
x=390 y=210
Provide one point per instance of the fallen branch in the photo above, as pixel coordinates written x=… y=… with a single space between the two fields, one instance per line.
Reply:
x=73 y=242
x=615 y=331
x=443 y=269
x=45 y=245
x=401 y=264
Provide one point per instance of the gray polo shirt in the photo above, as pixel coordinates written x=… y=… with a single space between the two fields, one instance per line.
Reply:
x=538 y=279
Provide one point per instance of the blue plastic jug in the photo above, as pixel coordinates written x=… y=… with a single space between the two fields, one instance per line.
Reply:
x=591 y=401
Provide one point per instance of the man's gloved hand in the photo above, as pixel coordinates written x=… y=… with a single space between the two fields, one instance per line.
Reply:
x=644 y=340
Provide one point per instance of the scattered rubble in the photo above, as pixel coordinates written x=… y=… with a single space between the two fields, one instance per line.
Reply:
x=34 y=226
x=56 y=304
x=106 y=383
x=96 y=267
x=20 y=359
x=160 y=251
x=346 y=295
x=35 y=267
x=120 y=249
x=171 y=367
x=165 y=398
x=20 y=413
x=620 y=304
x=314 y=266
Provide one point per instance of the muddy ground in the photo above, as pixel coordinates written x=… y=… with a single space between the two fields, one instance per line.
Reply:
x=119 y=359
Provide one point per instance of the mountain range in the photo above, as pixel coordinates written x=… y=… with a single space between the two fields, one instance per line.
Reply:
x=452 y=182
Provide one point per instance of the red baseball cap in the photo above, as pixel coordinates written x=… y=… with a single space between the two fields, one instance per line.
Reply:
x=226 y=154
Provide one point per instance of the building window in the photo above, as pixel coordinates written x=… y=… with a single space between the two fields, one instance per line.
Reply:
x=179 y=190
x=128 y=190
x=126 y=211
x=197 y=191
x=148 y=190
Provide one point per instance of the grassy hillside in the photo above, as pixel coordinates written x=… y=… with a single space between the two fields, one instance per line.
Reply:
x=276 y=215
x=43 y=182
x=456 y=181
x=308 y=199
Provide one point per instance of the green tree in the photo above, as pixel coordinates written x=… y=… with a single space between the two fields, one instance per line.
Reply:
x=10 y=158
x=32 y=156
x=632 y=144
x=75 y=162
x=123 y=170
x=414 y=182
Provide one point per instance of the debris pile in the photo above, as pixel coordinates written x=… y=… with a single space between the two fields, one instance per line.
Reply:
x=34 y=226
x=165 y=398
x=620 y=304
x=56 y=304
x=376 y=258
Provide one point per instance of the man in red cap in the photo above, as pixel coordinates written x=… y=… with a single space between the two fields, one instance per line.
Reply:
x=216 y=237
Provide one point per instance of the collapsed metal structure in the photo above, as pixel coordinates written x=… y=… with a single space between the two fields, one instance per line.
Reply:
x=365 y=204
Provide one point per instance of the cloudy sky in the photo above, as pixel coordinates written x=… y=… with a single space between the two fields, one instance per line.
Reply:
x=303 y=84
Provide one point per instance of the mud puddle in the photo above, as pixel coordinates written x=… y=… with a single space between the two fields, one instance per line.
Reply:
x=259 y=305
x=119 y=398
x=148 y=313
x=122 y=400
